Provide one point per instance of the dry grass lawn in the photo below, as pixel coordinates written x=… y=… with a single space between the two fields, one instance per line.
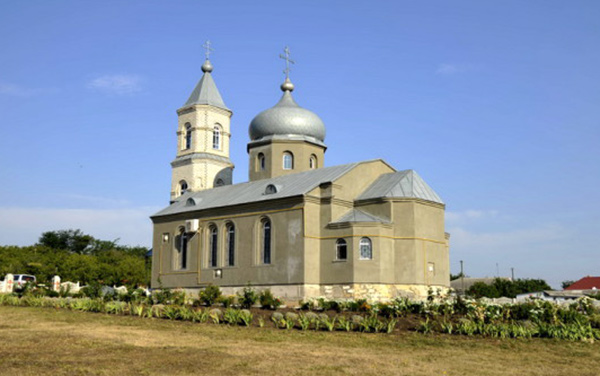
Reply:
x=42 y=341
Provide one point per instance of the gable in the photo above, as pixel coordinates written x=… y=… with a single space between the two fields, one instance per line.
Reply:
x=401 y=184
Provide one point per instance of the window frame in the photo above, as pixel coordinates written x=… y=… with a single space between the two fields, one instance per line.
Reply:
x=312 y=162
x=266 y=229
x=261 y=161
x=288 y=157
x=365 y=241
x=217 y=133
x=187 y=139
x=230 y=243
x=339 y=244
x=181 y=247
x=213 y=246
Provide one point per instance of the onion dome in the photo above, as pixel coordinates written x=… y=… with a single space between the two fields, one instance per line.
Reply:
x=287 y=118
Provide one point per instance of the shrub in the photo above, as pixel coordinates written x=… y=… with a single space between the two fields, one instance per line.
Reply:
x=227 y=301
x=210 y=295
x=248 y=297
x=268 y=301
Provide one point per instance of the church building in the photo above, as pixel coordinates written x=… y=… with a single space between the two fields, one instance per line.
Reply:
x=297 y=226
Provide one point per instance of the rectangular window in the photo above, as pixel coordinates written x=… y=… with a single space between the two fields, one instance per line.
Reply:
x=213 y=247
x=231 y=245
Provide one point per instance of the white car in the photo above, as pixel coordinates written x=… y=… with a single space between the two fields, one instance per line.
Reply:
x=21 y=279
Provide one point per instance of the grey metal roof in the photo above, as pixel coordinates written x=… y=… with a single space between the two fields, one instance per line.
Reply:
x=401 y=184
x=229 y=195
x=287 y=118
x=206 y=92
x=356 y=215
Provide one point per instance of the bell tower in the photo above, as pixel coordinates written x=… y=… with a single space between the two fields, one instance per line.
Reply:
x=203 y=134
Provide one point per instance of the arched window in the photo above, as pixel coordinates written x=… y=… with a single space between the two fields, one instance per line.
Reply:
x=188 y=136
x=214 y=243
x=183 y=187
x=366 y=249
x=341 y=250
x=217 y=137
x=261 y=163
x=288 y=161
x=230 y=244
x=312 y=162
x=182 y=247
x=266 y=241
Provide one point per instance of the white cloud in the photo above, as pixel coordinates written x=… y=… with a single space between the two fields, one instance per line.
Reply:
x=23 y=226
x=120 y=84
x=97 y=200
x=21 y=91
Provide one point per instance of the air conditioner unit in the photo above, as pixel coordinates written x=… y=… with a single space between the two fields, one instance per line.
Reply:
x=191 y=225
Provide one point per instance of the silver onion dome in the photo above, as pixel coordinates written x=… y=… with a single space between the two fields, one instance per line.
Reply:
x=287 y=118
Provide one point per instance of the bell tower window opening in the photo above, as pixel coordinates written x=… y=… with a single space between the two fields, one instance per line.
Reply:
x=183 y=187
x=217 y=138
x=214 y=242
x=288 y=161
x=188 y=136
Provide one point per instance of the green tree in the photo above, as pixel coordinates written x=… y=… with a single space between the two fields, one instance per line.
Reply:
x=71 y=240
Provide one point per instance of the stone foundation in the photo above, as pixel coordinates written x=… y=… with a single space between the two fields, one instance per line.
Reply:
x=291 y=294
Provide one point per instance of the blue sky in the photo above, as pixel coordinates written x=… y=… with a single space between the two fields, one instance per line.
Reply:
x=495 y=104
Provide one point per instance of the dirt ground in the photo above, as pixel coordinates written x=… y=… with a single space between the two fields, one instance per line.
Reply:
x=43 y=341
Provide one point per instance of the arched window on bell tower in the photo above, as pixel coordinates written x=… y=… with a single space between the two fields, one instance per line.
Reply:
x=188 y=136
x=217 y=137
x=183 y=187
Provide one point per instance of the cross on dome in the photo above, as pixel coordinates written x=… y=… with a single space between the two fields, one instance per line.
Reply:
x=208 y=49
x=286 y=56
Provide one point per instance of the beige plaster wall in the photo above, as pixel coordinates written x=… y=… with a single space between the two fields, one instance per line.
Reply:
x=287 y=251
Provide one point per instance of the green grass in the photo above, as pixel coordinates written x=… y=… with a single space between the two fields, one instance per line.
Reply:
x=42 y=341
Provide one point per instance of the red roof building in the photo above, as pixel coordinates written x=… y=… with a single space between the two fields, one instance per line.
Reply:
x=586 y=283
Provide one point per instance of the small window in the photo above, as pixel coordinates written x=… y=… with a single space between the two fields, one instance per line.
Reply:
x=188 y=136
x=288 y=161
x=230 y=244
x=341 y=250
x=214 y=243
x=261 y=163
x=266 y=241
x=190 y=202
x=312 y=162
x=431 y=269
x=217 y=137
x=271 y=189
x=183 y=187
x=366 y=249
